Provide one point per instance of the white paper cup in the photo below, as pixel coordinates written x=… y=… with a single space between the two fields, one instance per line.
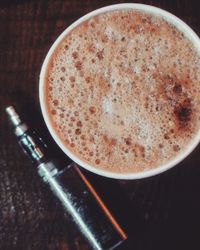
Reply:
x=131 y=6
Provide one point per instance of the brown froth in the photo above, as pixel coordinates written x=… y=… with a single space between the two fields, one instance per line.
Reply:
x=122 y=91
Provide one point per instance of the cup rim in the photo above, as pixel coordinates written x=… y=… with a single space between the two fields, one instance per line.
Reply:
x=188 y=32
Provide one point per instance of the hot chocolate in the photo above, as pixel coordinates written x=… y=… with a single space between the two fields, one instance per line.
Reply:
x=122 y=91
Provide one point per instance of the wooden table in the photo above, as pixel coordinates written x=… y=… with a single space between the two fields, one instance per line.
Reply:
x=162 y=212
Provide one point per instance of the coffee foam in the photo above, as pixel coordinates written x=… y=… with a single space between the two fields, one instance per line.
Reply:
x=123 y=91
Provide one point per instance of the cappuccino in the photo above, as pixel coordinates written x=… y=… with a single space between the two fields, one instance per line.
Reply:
x=122 y=91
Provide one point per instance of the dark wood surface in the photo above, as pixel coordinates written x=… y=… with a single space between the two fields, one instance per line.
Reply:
x=162 y=212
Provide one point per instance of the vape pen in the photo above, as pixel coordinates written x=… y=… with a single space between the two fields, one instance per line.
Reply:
x=73 y=190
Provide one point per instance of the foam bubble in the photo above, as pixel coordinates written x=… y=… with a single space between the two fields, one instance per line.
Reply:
x=53 y=112
x=78 y=131
x=92 y=109
x=55 y=102
x=72 y=119
x=97 y=161
x=72 y=79
x=79 y=124
x=63 y=69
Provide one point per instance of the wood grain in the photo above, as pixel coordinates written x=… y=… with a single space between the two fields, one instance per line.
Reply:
x=161 y=212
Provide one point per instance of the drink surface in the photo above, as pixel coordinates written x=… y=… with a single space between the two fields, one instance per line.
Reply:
x=122 y=91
